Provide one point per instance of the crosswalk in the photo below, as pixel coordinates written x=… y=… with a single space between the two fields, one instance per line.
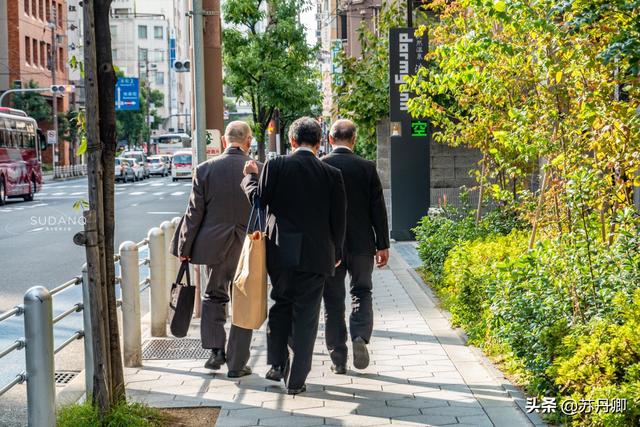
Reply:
x=70 y=191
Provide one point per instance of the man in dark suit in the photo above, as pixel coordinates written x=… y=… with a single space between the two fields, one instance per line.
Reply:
x=212 y=234
x=305 y=203
x=367 y=237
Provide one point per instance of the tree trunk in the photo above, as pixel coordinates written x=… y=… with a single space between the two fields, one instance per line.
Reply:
x=107 y=116
x=94 y=231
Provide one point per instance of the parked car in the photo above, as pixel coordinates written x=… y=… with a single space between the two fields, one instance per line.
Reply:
x=138 y=169
x=123 y=171
x=141 y=158
x=158 y=166
x=182 y=165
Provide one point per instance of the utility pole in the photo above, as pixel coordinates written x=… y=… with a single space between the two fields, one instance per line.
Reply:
x=54 y=99
x=212 y=46
x=199 y=81
x=410 y=13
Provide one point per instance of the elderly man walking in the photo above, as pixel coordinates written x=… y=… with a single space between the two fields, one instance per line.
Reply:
x=212 y=234
x=305 y=204
x=367 y=237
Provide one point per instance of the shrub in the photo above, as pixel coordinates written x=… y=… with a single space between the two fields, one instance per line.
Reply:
x=602 y=361
x=469 y=271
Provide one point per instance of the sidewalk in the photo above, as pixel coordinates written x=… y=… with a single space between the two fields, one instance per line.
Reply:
x=421 y=373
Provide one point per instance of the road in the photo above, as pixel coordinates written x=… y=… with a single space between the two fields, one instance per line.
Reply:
x=36 y=248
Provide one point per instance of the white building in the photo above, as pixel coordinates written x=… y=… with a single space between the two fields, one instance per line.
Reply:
x=141 y=42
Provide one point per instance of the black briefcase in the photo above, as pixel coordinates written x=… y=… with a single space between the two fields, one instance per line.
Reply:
x=181 y=304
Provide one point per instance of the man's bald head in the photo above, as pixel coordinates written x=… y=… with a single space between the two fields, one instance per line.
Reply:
x=343 y=132
x=238 y=134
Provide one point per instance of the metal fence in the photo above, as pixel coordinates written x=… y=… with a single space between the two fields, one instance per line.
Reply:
x=39 y=322
x=69 y=171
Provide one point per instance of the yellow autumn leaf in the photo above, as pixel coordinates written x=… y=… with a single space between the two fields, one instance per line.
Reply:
x=500 y=6
x=558 y=76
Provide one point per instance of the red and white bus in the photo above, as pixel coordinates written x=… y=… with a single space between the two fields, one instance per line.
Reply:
x=21 y=144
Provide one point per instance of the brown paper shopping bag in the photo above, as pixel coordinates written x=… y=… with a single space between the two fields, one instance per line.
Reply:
x=249 y=295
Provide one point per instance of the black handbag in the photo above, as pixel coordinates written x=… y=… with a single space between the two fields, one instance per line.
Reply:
x=181 y=304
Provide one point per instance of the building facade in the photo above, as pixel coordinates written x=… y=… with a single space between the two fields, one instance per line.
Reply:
x=147 y=36
x=34 y=47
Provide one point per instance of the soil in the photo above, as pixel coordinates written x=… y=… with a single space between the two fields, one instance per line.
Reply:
x=195 y=416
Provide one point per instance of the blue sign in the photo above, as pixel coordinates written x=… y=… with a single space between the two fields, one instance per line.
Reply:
x=127 y=94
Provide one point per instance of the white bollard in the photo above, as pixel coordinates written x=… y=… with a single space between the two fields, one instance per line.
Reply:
x=88 y=334
x=159 y=295
x=168 y=227
x=130 y=283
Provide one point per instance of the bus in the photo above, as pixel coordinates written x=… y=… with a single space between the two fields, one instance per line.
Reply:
x=21 y=145
x=169 y=143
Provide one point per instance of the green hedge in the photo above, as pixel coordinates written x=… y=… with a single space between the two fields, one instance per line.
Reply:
x=564 y=314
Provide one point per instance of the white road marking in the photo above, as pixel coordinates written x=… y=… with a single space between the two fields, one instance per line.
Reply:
x=178 y=193
x=136 y=193
x=163 y=213
x=160 y=193
x=59 y=194
x=78 y=193
x=187 y=185
x=173 y=184
x=35 y=229
x=157 y=184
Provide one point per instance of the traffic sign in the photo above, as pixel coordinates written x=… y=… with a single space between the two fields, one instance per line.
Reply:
x=127 y=94
x=52 y=137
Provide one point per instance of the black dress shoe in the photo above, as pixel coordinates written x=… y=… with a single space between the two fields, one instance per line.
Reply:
x=276 y=373
x=297 y=390
x=339 y=369
x=216 y=360
x=360 y=353
x=241 y=373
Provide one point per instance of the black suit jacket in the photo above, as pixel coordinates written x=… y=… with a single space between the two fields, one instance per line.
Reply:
x=306 y=212
x=367 y=226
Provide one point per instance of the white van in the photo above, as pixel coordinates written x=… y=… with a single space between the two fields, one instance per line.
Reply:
x=181 y=165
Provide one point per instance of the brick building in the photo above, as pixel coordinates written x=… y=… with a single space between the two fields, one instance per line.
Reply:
x=30 y=30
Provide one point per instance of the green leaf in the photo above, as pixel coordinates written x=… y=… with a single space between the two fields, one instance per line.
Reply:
x=500 y=6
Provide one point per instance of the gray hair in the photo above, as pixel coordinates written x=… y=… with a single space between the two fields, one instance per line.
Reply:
x=343 y=130
x=237 y=132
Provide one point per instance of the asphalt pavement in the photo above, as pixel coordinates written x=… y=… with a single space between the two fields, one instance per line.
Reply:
x=36 y=248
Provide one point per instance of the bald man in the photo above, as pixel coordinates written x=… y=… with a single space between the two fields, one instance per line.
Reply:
x=212 y=234
x=367 y=240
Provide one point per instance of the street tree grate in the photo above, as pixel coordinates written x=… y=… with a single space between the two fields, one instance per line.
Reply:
x=64 y=377
x=172 y=349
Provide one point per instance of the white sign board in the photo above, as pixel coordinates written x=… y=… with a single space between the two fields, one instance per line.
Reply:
x=52 y=138
x=214 y=143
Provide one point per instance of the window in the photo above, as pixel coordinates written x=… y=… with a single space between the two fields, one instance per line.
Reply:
x=142 y=31
x=35 y=53
x=114 y=30
x=41 y=9
x=158 y=33
x=27 y=49
x=159 y=78
x=61 y=59
x=43 y=58
x=160 y=56
x=48 y=10
x=26 y=7
x=34 y=8
x=59 y=16
x=143 y=55
x=49 y=64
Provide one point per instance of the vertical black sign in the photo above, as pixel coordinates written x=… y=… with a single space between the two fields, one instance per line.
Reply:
x=406 y=55
x=410 y=180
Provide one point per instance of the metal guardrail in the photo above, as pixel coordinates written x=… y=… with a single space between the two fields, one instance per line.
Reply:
x=39 y=321
x=69 y=171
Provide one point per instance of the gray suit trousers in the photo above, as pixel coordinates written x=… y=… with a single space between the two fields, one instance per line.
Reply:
x=215 y=309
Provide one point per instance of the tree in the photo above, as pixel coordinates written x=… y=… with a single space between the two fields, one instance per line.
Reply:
x=273 y=68
x=33 y=103
x=535 y=83
x=132 y=125
x=68 y=130
x=98 y=238
x=362 y=88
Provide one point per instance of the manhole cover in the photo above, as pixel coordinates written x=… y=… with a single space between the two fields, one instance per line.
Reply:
x=64 y=377
x=177 y=348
